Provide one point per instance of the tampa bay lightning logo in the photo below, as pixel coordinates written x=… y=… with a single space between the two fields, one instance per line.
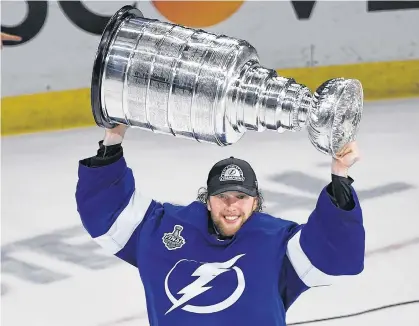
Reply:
x=205 y=273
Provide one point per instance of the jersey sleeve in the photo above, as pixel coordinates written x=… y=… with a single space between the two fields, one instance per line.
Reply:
x=330 y=246
x=112 y=210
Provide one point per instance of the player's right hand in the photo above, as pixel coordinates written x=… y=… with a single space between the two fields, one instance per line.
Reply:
x=115 y=135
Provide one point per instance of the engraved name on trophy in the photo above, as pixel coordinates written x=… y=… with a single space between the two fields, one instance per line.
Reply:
x=189 y=83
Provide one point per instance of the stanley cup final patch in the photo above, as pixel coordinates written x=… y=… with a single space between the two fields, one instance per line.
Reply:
x=174 y=240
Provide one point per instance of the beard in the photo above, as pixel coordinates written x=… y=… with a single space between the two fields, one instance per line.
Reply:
x=226 y=230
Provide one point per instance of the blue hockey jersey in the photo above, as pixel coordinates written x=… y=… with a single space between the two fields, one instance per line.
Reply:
x=191 y=277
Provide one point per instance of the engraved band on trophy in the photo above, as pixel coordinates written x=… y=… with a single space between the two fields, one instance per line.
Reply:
x=190 y=83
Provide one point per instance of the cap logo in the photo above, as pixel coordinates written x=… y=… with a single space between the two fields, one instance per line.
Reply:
x=232 y=172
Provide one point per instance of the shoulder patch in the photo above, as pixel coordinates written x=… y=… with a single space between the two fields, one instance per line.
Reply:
x=174 y=240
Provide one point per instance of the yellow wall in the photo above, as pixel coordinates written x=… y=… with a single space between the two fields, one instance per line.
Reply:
x=71 y=108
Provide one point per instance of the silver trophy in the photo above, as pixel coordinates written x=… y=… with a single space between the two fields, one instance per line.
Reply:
x=189 y=83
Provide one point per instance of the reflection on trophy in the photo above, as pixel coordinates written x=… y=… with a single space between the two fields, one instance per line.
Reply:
x=189 y=83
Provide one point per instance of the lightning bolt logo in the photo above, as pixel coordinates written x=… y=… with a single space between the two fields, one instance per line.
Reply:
x=206 y=273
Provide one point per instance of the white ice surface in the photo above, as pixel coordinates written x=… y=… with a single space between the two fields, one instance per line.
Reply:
x=39 y=175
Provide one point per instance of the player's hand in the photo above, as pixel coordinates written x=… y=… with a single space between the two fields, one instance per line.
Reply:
x=346 y=157
x=115 y=135
x=9 y=37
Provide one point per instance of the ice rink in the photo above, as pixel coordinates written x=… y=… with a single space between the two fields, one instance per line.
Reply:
x=54 y=275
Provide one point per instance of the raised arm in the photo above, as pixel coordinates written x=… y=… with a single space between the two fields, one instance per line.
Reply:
x=332 y=242
x=111 y=209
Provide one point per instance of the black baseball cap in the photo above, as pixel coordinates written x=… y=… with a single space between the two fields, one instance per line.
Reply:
x=232 y=174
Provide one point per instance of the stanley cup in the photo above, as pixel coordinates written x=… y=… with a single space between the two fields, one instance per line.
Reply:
x=193 y=84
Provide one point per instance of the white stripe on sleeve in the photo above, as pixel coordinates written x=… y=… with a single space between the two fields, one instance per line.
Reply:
x=124 y=226
x=306 y=271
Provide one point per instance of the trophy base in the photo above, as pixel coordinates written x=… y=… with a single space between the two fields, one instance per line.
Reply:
x=108 y=34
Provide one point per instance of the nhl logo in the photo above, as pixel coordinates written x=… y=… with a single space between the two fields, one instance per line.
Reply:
x=174 y=240
x=232 y=172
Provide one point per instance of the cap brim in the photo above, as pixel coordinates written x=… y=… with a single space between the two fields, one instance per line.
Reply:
x=250 y=192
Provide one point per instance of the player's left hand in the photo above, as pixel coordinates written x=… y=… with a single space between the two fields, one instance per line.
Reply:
x=346 y=157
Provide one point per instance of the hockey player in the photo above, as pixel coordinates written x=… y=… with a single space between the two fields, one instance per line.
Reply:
x=220 y=260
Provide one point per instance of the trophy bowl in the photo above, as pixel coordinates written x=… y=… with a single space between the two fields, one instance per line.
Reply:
x=335 y=114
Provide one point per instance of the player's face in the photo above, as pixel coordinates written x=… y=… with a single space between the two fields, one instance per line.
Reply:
x=230 y=210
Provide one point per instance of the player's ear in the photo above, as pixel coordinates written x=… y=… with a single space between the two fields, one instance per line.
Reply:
x=255 y=204
x=208 y=204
